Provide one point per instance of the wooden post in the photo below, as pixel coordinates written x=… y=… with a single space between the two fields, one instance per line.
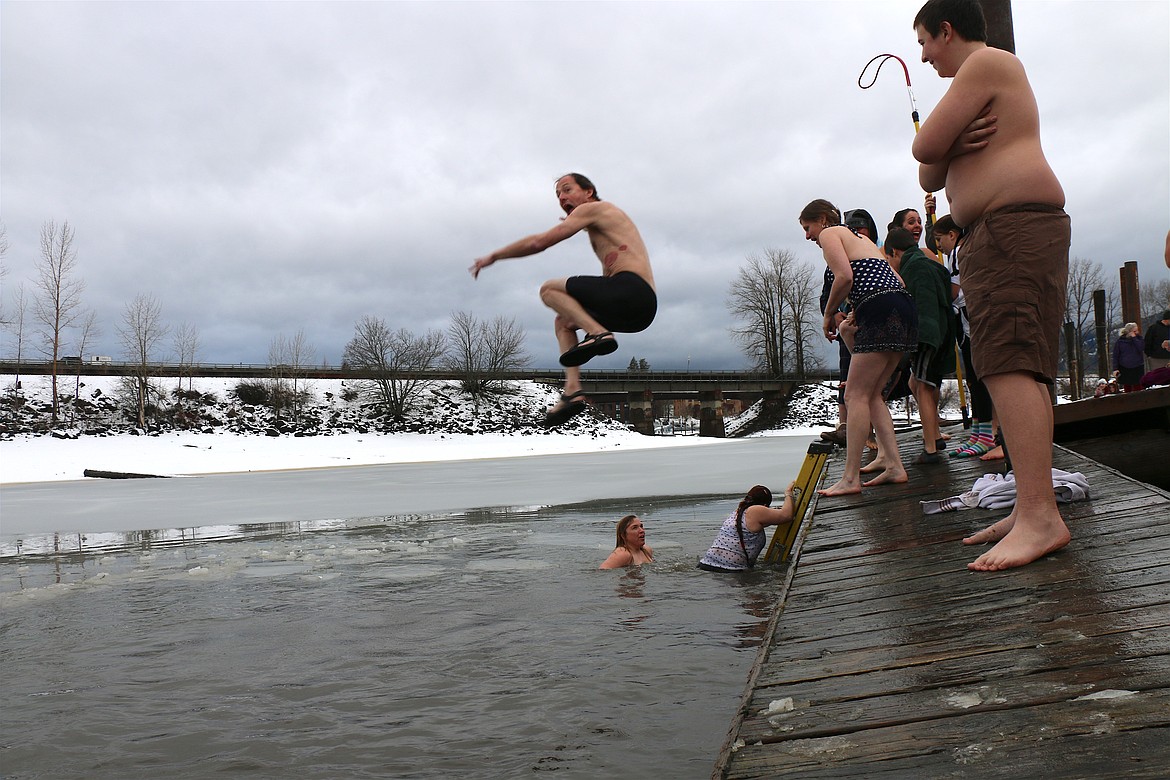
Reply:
x=1131 y=300
x=1000 y=32
x=1074 y=367
x=1101 y=333
x=711 y=414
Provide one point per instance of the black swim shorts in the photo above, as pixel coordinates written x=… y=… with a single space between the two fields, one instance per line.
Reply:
x=624 y=302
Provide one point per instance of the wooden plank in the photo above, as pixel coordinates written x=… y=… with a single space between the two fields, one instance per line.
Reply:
x=900 y=663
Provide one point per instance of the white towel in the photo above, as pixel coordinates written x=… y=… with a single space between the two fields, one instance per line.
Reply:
x=998 y=491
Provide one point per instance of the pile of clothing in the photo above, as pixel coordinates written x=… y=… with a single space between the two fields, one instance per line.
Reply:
x=998 y=491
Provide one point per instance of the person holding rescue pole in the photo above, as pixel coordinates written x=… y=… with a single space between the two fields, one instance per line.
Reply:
x=1014 y=262
x=881 y=325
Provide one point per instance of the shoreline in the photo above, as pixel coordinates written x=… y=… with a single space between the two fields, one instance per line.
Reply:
x=44 y=459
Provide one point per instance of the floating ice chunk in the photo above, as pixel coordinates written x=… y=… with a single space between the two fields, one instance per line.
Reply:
x=511 y=564
x=199 y=570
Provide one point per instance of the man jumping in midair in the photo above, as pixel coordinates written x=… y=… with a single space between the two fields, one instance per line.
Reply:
x=622 y=299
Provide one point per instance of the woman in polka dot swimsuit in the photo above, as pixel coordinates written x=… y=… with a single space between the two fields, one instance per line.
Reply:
x=882 y=325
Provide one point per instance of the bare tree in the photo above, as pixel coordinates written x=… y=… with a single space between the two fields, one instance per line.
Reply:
x=289 y=359
x=480 y=352
x=1084 y=276
x=19 y=310
x=141 y=332
x=3 y=272
x=58 y=301
x=801 y=314
x=1155 y=298
x=186 y=347
x=89 y=331
x=395 y=360
x=773 y=297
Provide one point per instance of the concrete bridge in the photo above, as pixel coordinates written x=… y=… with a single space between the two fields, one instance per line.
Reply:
x=625 y=395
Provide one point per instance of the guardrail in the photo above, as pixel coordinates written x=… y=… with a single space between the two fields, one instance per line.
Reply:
x=262 y=371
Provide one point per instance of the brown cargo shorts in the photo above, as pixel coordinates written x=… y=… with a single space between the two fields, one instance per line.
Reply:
x=1014 y=267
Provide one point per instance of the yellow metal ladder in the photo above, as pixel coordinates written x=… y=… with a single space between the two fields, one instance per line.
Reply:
x=806 y=481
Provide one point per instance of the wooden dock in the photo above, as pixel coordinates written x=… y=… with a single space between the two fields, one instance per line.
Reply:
x=887 y=658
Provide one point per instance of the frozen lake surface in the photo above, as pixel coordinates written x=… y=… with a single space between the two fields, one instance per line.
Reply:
x=410 y=621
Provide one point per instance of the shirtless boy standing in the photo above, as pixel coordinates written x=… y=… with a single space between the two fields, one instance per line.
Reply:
x=1014 y=264
x=621 y=299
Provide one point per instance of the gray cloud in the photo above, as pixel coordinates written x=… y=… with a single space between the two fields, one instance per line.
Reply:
x=266 y=167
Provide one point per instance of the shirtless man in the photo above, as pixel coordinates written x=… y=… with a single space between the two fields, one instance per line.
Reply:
x=622 y=299
x=1014 y=263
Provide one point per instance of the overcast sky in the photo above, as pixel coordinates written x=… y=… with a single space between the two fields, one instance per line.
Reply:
x=262 y=168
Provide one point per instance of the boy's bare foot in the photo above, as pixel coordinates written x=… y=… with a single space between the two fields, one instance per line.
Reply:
x=844 y=487
x=1024 y=543
x=875 y=465
x=996 y=453
x=993 y=532
x=889 y=477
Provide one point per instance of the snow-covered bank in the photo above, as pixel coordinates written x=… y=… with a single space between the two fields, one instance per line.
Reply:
x=224 y=447
x=43 y=458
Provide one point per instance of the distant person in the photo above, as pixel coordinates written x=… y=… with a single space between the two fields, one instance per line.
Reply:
x=929 y=284
x=1157 y=347
x=622 y=299
x=741 y=538
x=1105 y=388
x=982 y=144
x=631 y=549
x=880 y=327
x=982 y=439
x=1128 y=358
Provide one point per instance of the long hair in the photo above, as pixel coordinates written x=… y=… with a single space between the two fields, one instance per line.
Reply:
x=1127 y=329
x=821 y=208
x=757 y=496
x=622 y=525
x=899 y=218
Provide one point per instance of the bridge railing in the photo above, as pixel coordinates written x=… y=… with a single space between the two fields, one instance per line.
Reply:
x=258 y=371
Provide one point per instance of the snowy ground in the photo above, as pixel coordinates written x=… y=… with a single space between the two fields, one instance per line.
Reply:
x=39 y=458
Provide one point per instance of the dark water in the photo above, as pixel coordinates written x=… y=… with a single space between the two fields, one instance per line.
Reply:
x=480 y=646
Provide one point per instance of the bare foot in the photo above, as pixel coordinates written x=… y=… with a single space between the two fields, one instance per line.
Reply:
x=889 y=477
x=993 y=532
x=995 y=453
x=844 y=487
x=877 y=464
x=1023 y=544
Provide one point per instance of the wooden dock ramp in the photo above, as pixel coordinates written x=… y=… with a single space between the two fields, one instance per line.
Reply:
x=887 y=658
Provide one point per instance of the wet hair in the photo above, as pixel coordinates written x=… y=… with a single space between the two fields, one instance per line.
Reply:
x=900 y=238
x=821 y=208
x=1127 y=329
x=582 y=182
x=899 y=218
x=757 y=496
x=622 y=526
x=946 y=224
x=965 y=16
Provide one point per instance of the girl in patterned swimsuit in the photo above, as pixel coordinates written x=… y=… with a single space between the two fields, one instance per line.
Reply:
x=742 y=536
x=882 y=325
